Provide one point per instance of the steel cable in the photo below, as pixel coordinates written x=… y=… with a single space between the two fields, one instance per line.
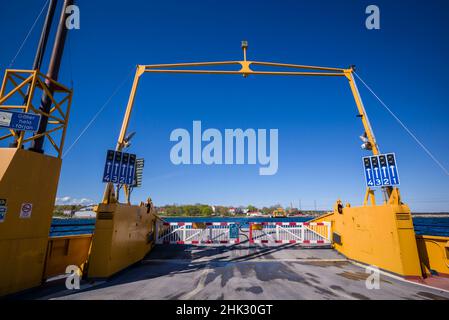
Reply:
x=97 y=114
x=28 y=35
x=405 y=127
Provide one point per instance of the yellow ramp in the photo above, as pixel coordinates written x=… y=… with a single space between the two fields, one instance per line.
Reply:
x=377 y=235
x=124 y=234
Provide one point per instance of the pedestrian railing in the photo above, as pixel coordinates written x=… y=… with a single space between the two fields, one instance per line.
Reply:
x=199 y=233
x=290 y=232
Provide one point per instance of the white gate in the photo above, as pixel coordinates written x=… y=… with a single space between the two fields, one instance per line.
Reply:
x=290 y=232
x=316 y=233
x=197 y=233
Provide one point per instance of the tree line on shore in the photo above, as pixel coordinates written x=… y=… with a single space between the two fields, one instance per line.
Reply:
x=198 y=210
x=208 y=210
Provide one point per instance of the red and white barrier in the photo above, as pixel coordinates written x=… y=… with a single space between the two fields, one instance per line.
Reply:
x=316 y=233
x=195 y=233
x=290 y=232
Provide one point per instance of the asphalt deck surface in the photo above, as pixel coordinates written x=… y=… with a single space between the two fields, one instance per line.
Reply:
x=240 y=272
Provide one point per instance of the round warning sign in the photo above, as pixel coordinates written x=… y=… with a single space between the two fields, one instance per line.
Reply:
x=25 y=210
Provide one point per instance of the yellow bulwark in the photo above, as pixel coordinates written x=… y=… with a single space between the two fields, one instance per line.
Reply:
x=64 y=251
x=378 y=235
x=434 y=254
x=124 y=234
x=28 y=180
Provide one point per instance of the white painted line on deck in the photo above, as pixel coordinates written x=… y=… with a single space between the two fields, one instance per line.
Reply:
x=199 y=261
x=201 y=285
x=387 y=274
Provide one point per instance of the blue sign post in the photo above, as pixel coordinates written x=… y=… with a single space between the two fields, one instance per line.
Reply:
x=381 y=170
x=119 y=167
x=21 y=121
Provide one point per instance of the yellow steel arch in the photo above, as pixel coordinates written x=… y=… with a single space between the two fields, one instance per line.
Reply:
x=245 y=70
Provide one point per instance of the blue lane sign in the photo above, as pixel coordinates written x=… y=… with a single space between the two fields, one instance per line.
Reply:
x=108 y=166
x=381 y=170
x=124 y=168
x=393 y=169
x=376 y=171
x=21 y=121
x=384 y=172
x=119 y=167
x=116 y=167
x=131 y=170
x=368 y=172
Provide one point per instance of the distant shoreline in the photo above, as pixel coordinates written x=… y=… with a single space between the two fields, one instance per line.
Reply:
x=415 y=215
x=430 y=215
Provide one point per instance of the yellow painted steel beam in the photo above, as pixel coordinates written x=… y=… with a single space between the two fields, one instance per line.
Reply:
x=360 y=106
x=58 y=87
x=273 y=73
x=16 y=84
x=191 y=64
x=66 y=122
x=13 y=107
x=17 y=88
x=140 y=70
x=43 y=134
x=296 y=66
x=6 y=136
x=244 y=62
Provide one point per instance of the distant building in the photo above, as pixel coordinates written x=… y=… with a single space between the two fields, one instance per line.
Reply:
x=232 y=211
x=89 y=208
x=68 y=212
x=254 y=213
x=85 y=214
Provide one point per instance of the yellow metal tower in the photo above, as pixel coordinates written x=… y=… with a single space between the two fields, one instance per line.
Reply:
x=29 y=180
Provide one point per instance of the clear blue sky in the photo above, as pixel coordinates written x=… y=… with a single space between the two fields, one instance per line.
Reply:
x=406 y=63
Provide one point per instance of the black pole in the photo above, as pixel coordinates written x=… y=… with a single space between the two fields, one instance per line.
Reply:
x=40 y=51
x=44 y=35
x=53 y=73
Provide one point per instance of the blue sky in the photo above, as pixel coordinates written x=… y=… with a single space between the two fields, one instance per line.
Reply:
x=319 y=150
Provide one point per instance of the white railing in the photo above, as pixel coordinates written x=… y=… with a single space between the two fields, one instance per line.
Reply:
x=290 y=232
x=197 y=233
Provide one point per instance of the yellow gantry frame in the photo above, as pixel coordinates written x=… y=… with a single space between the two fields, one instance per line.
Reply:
x=245 y=70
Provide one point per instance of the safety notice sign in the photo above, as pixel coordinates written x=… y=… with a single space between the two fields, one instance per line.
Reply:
x=25 y=210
